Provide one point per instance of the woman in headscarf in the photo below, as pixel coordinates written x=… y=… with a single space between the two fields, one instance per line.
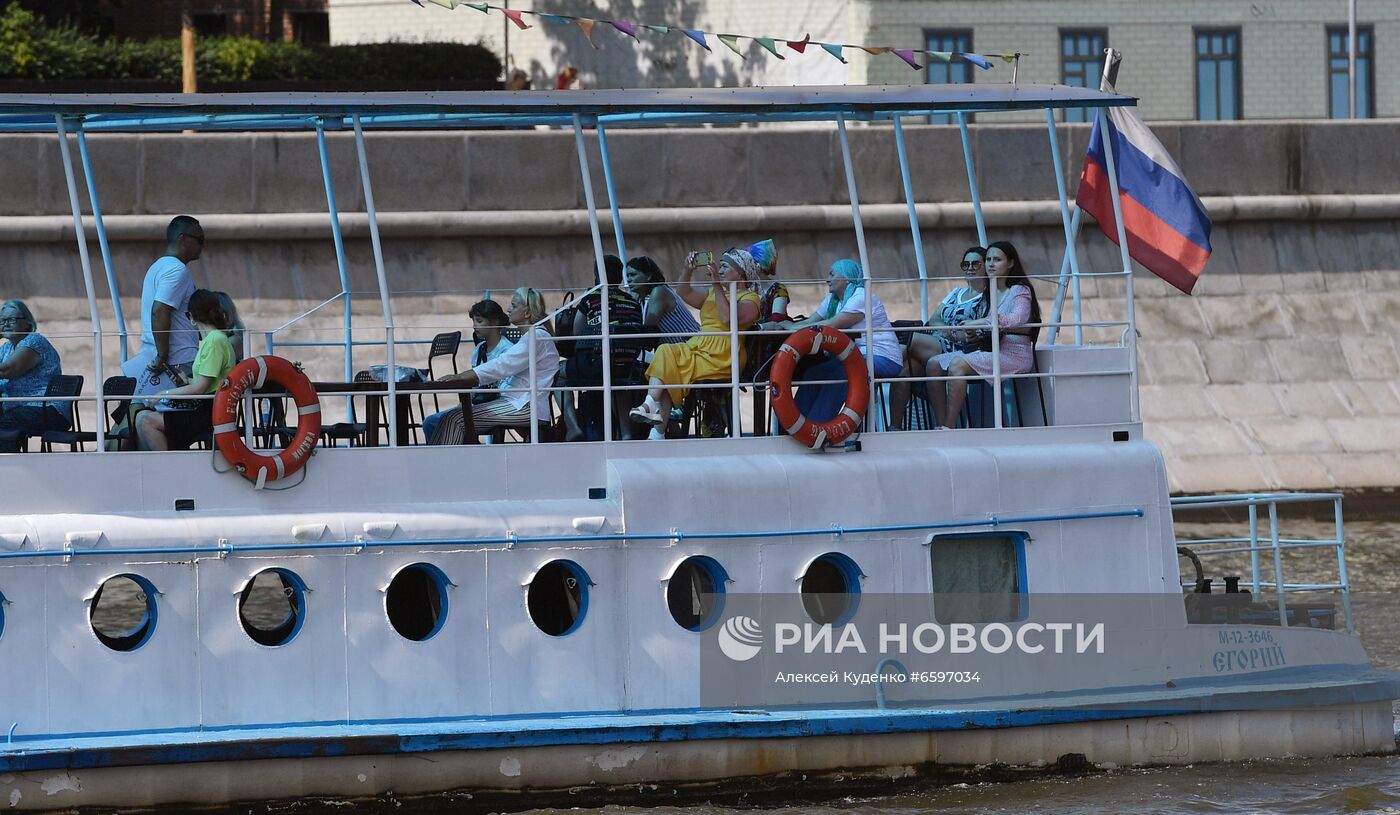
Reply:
x=703 y=356
x=772 y=295
x=844 y=309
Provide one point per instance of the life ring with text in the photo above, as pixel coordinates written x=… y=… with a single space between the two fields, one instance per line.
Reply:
x=814 y=340
x=253 y=373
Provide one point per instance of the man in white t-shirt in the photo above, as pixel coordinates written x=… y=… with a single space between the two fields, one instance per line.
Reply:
x=169 y=340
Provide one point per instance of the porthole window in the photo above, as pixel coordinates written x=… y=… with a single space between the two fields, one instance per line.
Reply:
x=558 y=597
x=123 y=612
x=695 y=593
x=271 y=607
x=831 y=589
x=416 y=601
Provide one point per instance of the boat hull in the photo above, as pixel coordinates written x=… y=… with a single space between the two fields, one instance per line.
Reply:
x=640 y=771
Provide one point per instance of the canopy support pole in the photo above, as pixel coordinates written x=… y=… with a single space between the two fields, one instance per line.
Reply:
x=342 y=266
x=1071 y=226
x=1108 y=135
x=98 y=424
x=102 y=244
x=972 y=181
x=391 y=377
x=864 y=254
x=913 y=216
x=602 y=274
x=612 y=191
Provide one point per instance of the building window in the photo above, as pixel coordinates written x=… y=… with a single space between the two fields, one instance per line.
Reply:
x=979 y=578
x=1338 y=92
x=1081 y=63
x=311 y=27
x=1217 y=74
x=953 y=72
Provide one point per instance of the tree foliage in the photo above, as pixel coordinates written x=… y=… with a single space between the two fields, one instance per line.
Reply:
x=32 y=49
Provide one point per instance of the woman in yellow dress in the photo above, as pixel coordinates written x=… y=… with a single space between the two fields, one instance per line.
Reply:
x=703 y=356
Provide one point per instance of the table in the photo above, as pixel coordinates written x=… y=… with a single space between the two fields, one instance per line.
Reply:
x=374 y=403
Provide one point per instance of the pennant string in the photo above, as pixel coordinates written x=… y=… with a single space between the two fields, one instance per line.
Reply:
x=731 y=41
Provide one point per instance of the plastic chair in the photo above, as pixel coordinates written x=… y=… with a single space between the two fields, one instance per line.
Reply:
x=444 y=345
x=61 y=386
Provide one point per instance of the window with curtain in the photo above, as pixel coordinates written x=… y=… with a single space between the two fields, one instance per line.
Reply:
x=976 y=578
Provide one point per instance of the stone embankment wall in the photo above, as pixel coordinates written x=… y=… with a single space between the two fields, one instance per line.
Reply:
x=1282 y=371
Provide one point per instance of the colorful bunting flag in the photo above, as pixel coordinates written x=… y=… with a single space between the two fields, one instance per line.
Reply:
x=698 y=36
x=587 y=26
x=770 y=44
x=731 y=40
x=908 y=56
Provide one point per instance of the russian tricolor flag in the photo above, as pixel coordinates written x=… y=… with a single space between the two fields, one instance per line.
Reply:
x=1168 y=230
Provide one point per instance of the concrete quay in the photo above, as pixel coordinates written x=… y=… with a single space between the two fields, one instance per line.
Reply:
x=1282 y=371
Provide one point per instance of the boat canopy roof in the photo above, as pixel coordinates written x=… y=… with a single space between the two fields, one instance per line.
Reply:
x=465 y=109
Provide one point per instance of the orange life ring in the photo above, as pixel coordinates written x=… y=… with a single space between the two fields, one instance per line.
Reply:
x=253 y=373
x=812 y=340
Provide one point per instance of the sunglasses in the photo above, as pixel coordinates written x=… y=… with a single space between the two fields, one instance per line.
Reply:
x=971 y=264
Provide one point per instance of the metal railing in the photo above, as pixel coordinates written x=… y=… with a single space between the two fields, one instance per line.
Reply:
x=1271 y=543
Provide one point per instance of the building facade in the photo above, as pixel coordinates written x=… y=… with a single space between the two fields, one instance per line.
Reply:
x=288 y=20
x=1185 y=59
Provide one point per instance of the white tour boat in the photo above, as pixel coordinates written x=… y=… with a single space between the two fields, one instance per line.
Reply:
x=527 y=623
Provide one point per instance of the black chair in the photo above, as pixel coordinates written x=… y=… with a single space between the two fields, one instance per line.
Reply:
x=444 y=345
x=60 y=386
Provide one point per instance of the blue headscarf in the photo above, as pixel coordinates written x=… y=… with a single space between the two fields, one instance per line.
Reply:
x=850 y=270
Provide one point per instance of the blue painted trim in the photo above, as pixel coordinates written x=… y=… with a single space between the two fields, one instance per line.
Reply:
x=395 y=737
x=227 y=549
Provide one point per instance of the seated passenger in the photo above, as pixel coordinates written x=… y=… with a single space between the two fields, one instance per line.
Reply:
x=512 y=371
x=488 y=318
x=773 y=297
x=170 y=425
x=844 y=310
x=662 y=311
x=701 y=357
x=1016 y=307
x=967 y=302
x=27 y=362
x=585 y=367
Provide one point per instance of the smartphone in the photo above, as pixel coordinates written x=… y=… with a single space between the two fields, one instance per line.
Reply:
x=704 y=258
